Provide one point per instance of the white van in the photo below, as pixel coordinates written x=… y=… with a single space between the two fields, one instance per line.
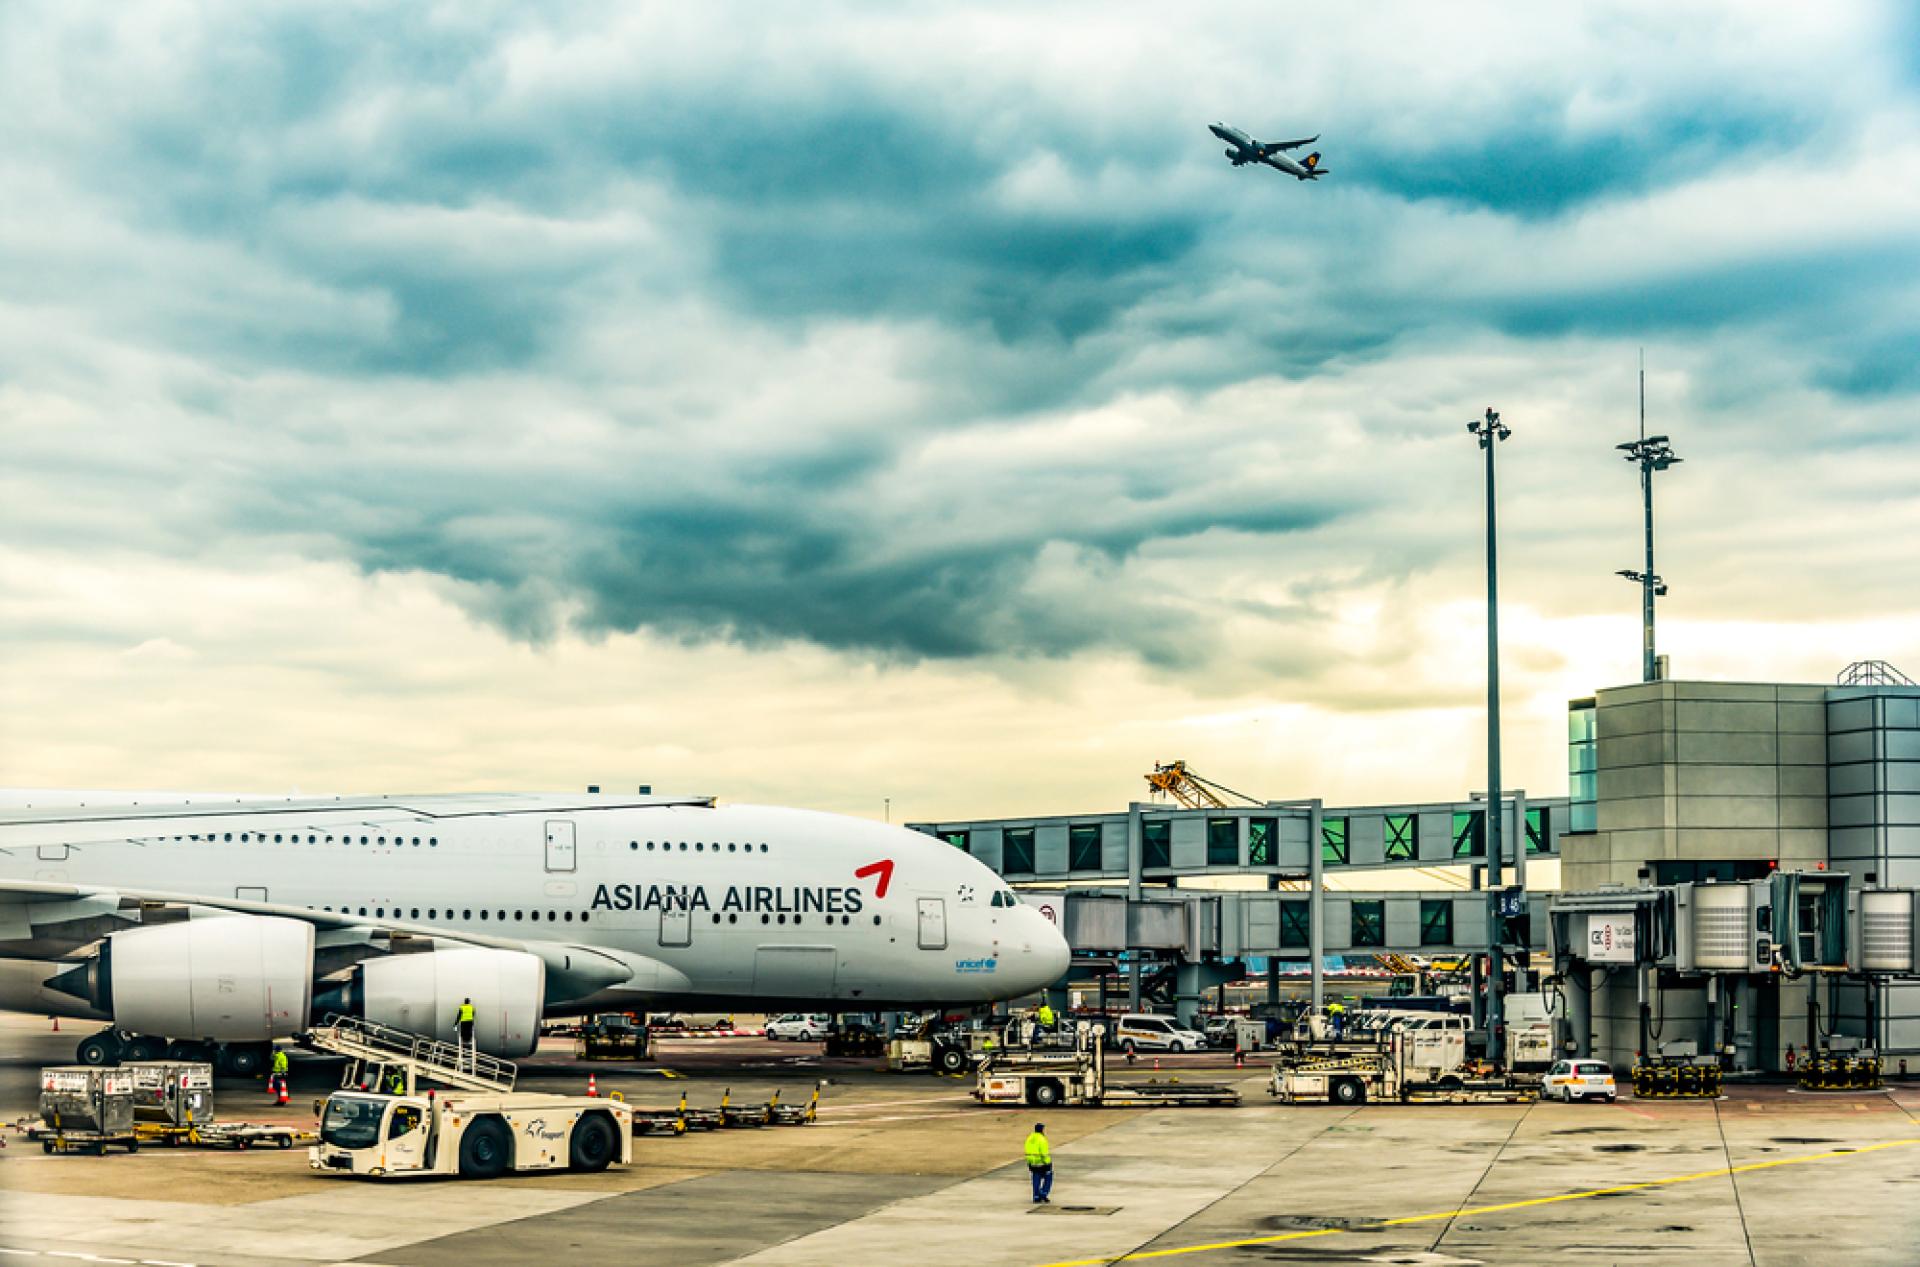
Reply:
x=1139 y=1032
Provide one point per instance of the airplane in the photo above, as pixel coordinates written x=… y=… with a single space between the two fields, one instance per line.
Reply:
x=206 y=928
x=1247 y=150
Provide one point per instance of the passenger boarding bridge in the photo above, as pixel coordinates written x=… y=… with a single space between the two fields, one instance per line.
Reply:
x=1120 y=884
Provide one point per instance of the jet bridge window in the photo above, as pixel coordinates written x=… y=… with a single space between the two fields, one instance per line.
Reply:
x=1262 y=834
x=1223 y=842
x=1156 y=844
x=1083 y=847
x=1369 y=923
x=1016 y=856
x=1333 y=841
x=1403 y=835
x=1470 y=834
x=1436 y=921
x=1296 y=929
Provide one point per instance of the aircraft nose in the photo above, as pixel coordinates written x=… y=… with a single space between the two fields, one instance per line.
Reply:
x=1047 y=955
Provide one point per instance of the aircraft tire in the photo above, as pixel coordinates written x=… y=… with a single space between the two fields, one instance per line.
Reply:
x=98 y=1049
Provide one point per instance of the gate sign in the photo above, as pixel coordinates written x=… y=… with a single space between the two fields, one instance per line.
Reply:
x=1051 y=905
x=1610 y=939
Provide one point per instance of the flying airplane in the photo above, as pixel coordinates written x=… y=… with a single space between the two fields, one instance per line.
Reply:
x=208 y=928
x=1273 y=153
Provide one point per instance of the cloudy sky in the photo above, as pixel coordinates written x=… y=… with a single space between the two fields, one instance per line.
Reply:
x=836 y=403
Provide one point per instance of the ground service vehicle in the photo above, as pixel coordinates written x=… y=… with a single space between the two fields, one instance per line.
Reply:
x=1398 y=1063
x=1139 y=1032
x=1044 y=1077
x=1572 y=1080
x=476 y=1135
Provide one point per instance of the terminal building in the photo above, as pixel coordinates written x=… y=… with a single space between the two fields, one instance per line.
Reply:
x=1669 y=782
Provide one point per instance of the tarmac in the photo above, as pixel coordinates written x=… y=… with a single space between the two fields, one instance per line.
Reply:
x=906 y=1168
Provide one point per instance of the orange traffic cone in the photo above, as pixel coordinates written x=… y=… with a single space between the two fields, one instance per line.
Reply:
x=1239 y=1059
x=593 y=1088
x=1156 y=1064
x=56 y=1025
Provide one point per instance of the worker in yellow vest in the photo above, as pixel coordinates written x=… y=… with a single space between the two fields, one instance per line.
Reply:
x=1040 y=1164
x=277 y=1075
x=466 y=1027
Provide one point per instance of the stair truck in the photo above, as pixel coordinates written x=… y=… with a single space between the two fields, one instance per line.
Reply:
x=1044 y=1077
x=479 y=1129
x=1412 y=1061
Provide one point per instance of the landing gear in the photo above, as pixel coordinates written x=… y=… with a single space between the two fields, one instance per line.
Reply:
x=145 y=1047
x=243 y=1060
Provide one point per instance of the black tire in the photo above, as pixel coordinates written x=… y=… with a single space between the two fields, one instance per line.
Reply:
x=1045 y=1094
x=1176 y=1047
x=146 y=1047
x=485 y=1149
x=952 y=1060
x=181 y=1049
x=46 y=1146
x=246 y=1060
x=133 y=1145
x=594 y=1144
x=1126 y=1045
x=1349 y=1091
x=101 y=1049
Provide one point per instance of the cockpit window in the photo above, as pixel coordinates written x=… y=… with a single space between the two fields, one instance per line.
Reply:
x=996 y=898
x=1011 y=900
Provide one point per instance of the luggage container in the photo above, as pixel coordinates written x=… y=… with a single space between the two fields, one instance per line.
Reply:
x=85 y=1107
x=172 y=1092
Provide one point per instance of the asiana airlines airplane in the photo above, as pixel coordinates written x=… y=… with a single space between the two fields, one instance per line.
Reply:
x=204 y=926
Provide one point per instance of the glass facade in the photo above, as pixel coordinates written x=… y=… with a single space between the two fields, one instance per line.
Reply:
x=1582 y=748
x=1333 y=841
x=1403 y=837
x=1470 y=834
x=1296 y=931
x=1156 y=844
x=1223 y=842
x=1263 y=834
x=1369 y=924
x=1083 y=847
x=1016 y=851
x=1436 y=921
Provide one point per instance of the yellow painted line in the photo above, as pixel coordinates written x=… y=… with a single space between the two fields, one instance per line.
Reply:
x=1642 y=1185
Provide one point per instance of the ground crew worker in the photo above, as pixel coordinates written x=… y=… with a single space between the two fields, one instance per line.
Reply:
x=277 y=1075
x=396 y=1080
x=1337 y=1017
x=466 y=1026
x=1045 y=1017
x=1040 y=1164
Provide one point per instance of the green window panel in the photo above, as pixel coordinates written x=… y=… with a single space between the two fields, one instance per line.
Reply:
x=1296 y=932
x=1263 y=839
x=1470 y=834
x=1156 y=844
x=1436 y=922
x=1016 y=851
x=1223 y=842
x=958 y=839
x=1403 y=837
x=1539 y=837
x=1333 y=841
x=1083 y=847
x=1369 y=924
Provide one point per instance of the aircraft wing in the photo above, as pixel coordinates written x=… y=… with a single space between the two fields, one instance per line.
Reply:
x=50 y=922
x=1274 y=147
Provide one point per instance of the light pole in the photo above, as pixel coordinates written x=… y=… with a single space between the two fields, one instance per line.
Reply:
x=1653 y=453
x=1488 y=431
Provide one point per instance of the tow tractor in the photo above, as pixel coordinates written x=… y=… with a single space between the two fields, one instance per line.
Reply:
x=1045 y=1077
x=479 y=1129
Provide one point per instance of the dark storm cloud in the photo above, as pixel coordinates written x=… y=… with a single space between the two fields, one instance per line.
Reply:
x=540 y=304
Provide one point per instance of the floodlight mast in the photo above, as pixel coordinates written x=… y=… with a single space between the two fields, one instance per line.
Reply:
x=1488 y=431
x=1653 y=453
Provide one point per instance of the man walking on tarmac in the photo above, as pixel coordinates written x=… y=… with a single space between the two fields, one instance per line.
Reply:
x=466 y=1028
x=277 y=1075
x=1040 y=1164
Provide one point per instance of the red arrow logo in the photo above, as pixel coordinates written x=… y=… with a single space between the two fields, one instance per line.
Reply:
x=883 y=869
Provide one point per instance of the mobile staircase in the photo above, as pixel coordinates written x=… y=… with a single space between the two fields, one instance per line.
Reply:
x=371 y=1047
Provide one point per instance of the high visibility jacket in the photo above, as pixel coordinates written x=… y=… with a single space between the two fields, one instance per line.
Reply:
x=466 y=1011
x=1038 y=1154
x=398 y=1084
x=1046 y=1016
x=279 y=1061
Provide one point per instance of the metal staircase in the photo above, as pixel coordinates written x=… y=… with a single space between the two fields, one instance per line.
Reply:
x=367 y=1044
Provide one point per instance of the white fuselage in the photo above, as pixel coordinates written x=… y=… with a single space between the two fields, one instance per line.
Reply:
x=735 y=906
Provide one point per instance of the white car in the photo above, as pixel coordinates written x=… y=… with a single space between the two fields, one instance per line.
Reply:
x=1572 y=1080
x=1137 y=1032
x=799 y=1026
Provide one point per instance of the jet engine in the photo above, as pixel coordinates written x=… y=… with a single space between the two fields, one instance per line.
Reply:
x=422 y=994
x=230 y=978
